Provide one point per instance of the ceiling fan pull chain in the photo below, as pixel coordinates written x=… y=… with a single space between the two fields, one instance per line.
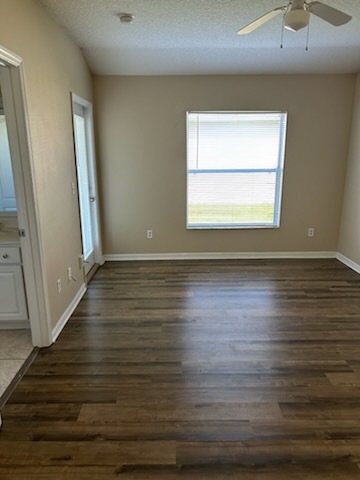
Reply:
x=282 y=32
x=307 y=37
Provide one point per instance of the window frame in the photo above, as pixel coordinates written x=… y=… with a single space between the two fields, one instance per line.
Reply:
x=278 y=170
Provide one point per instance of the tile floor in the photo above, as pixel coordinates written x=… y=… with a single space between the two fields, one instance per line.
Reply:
x=15 y=347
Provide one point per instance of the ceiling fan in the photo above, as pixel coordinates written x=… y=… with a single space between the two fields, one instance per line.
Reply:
x=296 y=15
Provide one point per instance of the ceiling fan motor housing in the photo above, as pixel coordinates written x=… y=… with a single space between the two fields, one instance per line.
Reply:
x=296 y=19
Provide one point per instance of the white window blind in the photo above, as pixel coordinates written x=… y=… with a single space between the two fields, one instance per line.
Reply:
x=234 y=169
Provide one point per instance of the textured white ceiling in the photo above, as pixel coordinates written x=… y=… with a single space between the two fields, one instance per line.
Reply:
x=174 y=37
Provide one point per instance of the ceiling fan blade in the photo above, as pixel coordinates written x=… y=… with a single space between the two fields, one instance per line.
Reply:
x=329 y=14
x=260 y=21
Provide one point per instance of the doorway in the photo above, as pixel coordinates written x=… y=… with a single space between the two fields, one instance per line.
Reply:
x=13 y=93
x=86 y=182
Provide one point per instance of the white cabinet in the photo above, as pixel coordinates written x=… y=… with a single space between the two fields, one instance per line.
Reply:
x=12 y=292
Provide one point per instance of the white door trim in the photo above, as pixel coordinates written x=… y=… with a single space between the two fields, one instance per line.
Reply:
x=13 y=86
x=75 y=99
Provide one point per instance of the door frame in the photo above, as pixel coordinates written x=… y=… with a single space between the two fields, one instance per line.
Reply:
x=14 y=98
x=90 y=136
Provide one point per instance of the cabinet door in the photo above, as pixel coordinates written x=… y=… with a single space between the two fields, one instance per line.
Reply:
x=12 y=293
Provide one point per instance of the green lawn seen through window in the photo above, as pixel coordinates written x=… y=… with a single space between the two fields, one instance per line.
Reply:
x=222 y=214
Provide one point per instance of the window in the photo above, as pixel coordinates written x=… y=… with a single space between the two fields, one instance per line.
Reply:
x=7 y=189
x=234 y=169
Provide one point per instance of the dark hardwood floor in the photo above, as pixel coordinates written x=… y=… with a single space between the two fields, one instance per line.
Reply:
x=196 y=370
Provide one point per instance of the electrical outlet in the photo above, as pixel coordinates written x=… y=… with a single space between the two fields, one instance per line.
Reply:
x=311 y=232
x=69 y=274
x=58 y=284
x=149 y=234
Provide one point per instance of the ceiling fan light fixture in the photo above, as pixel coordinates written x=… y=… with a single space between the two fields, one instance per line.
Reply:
x=295 y=20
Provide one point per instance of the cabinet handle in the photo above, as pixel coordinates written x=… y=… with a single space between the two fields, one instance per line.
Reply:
x=5 y=255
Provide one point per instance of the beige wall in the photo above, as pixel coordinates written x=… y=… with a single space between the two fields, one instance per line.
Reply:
x=349 y=242
x=141 y=150
x=53 y=67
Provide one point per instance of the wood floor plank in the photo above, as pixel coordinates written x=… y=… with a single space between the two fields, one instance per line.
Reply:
x=88 y=453
x=332 y=470
x=196 y=370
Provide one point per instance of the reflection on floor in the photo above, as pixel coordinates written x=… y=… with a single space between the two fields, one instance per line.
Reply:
x=15 y=347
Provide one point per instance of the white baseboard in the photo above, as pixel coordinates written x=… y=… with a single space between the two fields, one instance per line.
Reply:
x=216 y=256
x=68 y=312
x=349 y=263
